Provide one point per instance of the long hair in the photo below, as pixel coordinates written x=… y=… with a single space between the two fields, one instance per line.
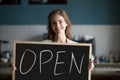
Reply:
x=62 y=13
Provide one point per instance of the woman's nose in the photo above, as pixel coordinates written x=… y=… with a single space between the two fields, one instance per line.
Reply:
x=57 y=25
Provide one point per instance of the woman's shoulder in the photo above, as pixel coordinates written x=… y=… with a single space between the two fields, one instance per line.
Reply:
x=71 y=41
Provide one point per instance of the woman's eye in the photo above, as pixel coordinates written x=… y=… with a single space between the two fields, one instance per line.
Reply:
x=60 y=22
x=53 y=23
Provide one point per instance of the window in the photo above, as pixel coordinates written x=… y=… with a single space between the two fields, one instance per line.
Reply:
x=47 y=1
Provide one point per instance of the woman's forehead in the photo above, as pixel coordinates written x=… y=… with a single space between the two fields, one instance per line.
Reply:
x=57 y=17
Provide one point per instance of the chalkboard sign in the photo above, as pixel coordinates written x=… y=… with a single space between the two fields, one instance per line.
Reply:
x=51 y=61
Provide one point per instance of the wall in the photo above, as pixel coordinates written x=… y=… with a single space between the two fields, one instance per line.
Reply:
x=99 y=18
x=106 y=36
x=80 y=12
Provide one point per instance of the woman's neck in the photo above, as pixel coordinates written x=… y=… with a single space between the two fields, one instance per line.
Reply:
x=60 y=39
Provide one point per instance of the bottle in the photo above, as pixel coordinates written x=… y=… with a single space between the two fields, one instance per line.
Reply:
x=111 y=57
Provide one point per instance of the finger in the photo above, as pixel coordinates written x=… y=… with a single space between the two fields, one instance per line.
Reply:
x=13 y=67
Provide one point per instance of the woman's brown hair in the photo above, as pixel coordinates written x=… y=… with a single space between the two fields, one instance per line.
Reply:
x=62 y=13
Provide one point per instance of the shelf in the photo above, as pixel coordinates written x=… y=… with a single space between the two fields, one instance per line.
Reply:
x=2 y=63
x=108 y=64
x=106 y=69
x=5 y=70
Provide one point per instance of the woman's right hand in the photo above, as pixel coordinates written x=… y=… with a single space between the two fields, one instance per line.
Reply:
x=13 y=67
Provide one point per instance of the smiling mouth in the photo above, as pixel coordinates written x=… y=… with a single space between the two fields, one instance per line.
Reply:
x=58 y=29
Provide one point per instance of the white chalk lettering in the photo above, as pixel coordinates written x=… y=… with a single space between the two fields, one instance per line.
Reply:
x=47 y=60
x=25 y=52
x=73 y=59
x=56 y=63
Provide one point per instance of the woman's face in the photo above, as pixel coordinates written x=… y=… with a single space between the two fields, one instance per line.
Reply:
x=58 y=24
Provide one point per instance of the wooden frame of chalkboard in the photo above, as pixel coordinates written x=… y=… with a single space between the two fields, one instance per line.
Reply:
x=51 y=61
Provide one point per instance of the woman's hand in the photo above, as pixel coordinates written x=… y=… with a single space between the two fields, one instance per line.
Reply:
x=13 y=67
x=90 y=65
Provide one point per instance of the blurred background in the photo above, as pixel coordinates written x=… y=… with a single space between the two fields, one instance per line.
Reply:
x=93 y=21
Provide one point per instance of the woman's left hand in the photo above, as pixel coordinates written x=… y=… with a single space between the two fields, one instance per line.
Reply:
x=90 y=65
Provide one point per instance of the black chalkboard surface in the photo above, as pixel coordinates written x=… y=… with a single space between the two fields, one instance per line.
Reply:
x=51 y=61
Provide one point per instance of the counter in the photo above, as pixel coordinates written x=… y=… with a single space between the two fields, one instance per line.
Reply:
x=106 y=71
x=5 y=71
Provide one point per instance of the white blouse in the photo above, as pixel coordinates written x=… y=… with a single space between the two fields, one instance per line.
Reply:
x=68 y=41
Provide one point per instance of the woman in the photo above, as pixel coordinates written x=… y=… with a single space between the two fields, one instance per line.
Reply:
x=59 y=27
